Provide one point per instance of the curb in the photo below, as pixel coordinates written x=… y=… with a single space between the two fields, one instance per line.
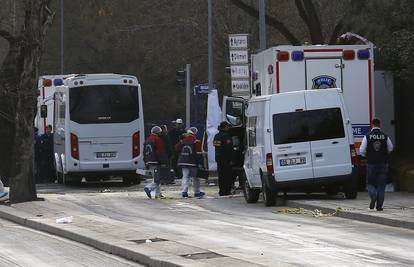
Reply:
x=22 y=219
x=355 y=216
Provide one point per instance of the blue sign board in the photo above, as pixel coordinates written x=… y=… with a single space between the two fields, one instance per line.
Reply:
x=360 y=130
x=202 y=89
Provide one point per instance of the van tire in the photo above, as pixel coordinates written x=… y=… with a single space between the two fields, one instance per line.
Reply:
x=131 y=179
x=250 y=195
x=269 y=196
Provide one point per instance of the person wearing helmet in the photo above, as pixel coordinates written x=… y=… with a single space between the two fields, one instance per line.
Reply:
x=189 y=153
x=155 y=156
x=223 y=145
x=175 y=135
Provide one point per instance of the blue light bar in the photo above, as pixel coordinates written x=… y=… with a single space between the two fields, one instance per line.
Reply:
x=297 y=56
x=363 y=54
x=57 y=82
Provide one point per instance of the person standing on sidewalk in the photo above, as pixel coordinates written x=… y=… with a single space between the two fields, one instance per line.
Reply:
x=175 y=135
x=155 y=156
x=189 y=154
x=376 y=146
x=223 y=145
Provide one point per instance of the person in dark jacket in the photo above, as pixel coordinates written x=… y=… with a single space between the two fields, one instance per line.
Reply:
x=376 y=146
x=155 y=156
x=46 y=156
x=224 y=153
x=189 y=157
x=175 y=135
x=166 y=172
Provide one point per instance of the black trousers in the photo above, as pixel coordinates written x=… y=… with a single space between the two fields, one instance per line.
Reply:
x=225 y=178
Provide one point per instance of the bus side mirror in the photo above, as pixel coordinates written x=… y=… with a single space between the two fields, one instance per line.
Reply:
x=43 y=111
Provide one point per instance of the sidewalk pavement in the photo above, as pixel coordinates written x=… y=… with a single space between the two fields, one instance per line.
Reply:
x=398 y=208
x=139 y=243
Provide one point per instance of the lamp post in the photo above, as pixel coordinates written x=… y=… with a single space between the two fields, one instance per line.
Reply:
x=210 y=45
x=262 y=25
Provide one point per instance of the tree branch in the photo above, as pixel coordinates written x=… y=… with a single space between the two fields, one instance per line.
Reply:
x=271 y=21
x=308 y=14
x=8 y=36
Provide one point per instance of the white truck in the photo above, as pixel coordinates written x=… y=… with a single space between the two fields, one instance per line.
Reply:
x=289 y=68
x=98 y=127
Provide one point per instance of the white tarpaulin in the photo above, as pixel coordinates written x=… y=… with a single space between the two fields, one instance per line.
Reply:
x=213 y=121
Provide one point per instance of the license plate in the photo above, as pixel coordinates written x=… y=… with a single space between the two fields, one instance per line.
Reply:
x=293 y=161
x=105 y=154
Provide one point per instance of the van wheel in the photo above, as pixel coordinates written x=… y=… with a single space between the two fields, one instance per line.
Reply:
x=331 y=191
x=269 y=197
x=250 y=195
x=131 y=179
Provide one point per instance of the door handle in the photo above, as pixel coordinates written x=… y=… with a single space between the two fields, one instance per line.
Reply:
x=318 y=155
x=335 y=142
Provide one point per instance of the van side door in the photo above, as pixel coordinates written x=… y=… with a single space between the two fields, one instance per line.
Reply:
x=290 y=146
x=328 y=134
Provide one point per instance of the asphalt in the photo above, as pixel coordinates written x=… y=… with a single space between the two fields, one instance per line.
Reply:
x=140 y=243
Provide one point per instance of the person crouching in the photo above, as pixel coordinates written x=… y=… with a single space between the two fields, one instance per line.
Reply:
x=189 y=152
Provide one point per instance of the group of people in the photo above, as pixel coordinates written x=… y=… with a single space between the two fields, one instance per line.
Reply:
x=185 y=156
x=44 y=156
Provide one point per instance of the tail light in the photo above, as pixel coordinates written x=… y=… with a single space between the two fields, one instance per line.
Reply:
x=348 y=54
x=354 y=158
x=283 y=56
x=135 y=145
x=74 y=146
x=269 y=163
x=47 y=82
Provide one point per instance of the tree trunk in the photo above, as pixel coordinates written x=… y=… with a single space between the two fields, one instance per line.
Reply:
x=22 y=71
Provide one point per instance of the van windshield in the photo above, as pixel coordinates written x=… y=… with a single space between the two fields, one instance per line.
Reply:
x=305 y=126
x=104 y=104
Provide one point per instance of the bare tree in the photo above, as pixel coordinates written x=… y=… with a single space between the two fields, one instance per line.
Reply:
x=18 y=91
x=310 y=13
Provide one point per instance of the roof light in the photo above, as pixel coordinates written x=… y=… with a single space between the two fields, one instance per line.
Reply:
x=125 y=81
x=57 y=82
x=47 y=82
x=81 y=82
x=348 y=54
x=76 y=83
x=130 y=81
x=298 y=55
x=283 y=56
x=363 y=54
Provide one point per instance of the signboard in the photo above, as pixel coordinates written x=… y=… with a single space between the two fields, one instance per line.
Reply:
x=239 y=57
x=360 y=130
x=238 y=41
x=238 y=86
x=239 y=71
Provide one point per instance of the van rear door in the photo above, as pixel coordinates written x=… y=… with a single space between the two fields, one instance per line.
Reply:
x=328 y=134
x=291 y=151
x=323 y=73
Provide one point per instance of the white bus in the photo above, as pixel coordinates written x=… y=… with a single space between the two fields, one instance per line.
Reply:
x=98 y=128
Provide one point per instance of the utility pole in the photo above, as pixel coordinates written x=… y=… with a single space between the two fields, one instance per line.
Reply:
x=210 y=45
x=187 y=95
x=262 y=25
x=62 y=70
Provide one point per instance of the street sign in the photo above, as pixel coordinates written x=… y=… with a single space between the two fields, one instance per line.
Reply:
x=202 y=89
x=238 y=41
x=239 y=71
x=239 y=57
x=240 y=86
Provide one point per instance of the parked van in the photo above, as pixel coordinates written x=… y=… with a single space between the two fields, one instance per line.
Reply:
x=298 y=140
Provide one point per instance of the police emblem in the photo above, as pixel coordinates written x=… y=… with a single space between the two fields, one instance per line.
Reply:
x=323 y=82
x=377 y=146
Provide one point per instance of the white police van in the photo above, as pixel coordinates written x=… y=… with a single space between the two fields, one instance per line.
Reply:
x=298 y=141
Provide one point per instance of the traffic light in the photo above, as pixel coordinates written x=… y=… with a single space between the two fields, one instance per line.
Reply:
x=180 y=77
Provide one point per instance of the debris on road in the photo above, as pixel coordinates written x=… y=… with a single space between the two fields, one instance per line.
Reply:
x=65 y=220
x=314 y=213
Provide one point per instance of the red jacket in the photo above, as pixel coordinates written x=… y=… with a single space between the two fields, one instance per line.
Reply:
x=189 y=138
x=159 y=145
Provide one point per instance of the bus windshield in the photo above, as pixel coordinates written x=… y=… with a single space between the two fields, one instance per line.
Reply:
x=104 y=104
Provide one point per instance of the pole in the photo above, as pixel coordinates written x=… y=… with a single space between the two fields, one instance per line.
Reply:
x=61 y=37
x=262 y=25
x=187 y=95
x=210 y=45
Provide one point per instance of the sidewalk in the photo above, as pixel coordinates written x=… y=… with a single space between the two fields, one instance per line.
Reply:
x=139 y=243
x=398 y=208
